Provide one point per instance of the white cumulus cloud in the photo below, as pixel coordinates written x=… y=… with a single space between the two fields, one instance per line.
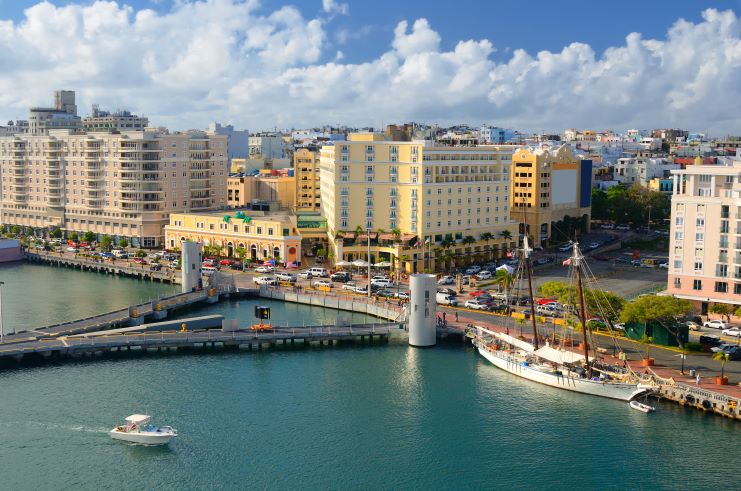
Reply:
x=334 y=7
x=231 y=61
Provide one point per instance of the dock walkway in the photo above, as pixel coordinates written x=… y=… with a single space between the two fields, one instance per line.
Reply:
x=176 y=340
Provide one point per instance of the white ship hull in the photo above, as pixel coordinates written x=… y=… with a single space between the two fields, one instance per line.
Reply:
x=143 y=437
x=612 y=390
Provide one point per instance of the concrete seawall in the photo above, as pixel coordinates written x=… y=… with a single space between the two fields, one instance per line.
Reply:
x=388 y=312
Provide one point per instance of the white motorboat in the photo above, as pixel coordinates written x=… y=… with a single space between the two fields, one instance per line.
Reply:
x=138 y=429
x=639 y=406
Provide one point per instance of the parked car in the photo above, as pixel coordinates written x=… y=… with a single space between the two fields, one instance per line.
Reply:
x=382 y=282
x=623 y=226
x=446 y=280
x=361 y=290
x=225 y=262
x=305 y=274
x=341 y=277
x=732 y=331
x=716 y=324
x=473 y=269
x=72 y=249
x=664 y=265
x=448 y=291
x=401 y=295
x=264 y=269
x=287 y=277
x=445 y=299
x=140 y=260
x=265 y=280
x=322 y=283
x=710 y=340
x=476 y=304
x=694 y=326
x=722 y=347
x=483 y=275
x=566 y=247
x=734 y=353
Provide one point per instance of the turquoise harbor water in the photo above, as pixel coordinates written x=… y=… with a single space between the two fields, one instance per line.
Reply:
x=345 y=417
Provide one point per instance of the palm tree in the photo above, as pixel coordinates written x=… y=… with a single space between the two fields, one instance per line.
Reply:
x=396 y=232
x=240 y=252
x=468 y=240
x=505 y=234
x=447 y=257
x=722 y=358
x=358 y=231
x=504 y=279
x=486 y=237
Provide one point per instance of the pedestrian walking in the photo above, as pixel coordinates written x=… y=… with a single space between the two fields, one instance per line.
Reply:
x=444 y=319
x=456 y=316
x=697 y=379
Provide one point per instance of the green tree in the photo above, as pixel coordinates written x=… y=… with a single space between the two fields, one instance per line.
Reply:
x=647 y=341
x=240 y=252
x=722 y=309
x=486 y=237
x=658 y=308
x=448 y=257
x=106 y=242
x=600 y=205
x=123 y=243
x=722 y=358
x=140 y=253
x=55 y=233
x=597 y=302
x=396 y=232
x=89 y=237
x=15 y=230
x=468 y=240
x=505 y=234
x=504 y=280
x=74 y=237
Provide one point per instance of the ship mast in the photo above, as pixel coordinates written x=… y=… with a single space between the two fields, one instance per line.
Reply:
x=526 y=256
x=577 y=258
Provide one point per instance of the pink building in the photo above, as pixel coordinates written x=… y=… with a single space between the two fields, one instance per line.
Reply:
x=705 y=241
x=10 y=250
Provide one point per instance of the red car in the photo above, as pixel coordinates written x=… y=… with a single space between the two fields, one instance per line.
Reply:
x=226 y=262
x=139 y=260
x=478 y=293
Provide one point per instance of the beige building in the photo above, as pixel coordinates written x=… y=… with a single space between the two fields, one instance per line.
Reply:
x=250 y=234
x=547 y=187
x=120 y=184
x=426 y=206
x=705 y=240
x=306 y=170
x=243 y=190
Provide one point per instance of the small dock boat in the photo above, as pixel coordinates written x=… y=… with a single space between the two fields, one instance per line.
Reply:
x=138 y=429
x=639 y=406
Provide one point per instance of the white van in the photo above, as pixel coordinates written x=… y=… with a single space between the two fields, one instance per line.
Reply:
x=319 y=272
x=119 y=253
x=446 y=299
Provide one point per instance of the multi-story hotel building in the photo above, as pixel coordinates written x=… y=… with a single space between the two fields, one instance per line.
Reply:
x=120 y=184
x=705 y=241
x=417 y=200
x=256 y=235
x=548 y=186
x=306 y=170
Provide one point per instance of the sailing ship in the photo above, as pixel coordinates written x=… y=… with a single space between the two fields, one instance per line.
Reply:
x=553 y=364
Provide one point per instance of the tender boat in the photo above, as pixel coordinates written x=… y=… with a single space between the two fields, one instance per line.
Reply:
x=639 y=406
x=138 y=429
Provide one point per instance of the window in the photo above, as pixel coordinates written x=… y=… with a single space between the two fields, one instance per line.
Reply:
x=677 y=264
x=698 y=266
x=699 y=236
x=678 y=235
x=721 y=270
x=721 y=287
x=737 y=288
x=700 y=222
x=677 y=283
x=697 y=284
x=679 y=221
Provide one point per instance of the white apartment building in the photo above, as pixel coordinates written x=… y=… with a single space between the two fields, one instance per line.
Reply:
x=640 y=170
x=120 y=184
x=267 y=146
x=705 y=242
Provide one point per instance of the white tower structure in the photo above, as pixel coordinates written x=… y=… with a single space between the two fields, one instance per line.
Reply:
x=190 y=266
x=423 y=309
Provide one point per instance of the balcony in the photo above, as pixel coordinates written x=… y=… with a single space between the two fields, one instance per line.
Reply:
x=20 y=198
x=54 y=201
x=95 y=203
x=20 y=188
x=57 y=193
x=55 y=183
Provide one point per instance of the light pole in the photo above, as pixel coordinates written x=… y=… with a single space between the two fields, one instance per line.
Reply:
x=648 y=225
x=2 y=331
x=369 y=265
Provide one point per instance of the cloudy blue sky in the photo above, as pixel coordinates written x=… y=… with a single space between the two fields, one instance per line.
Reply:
x=530 y=65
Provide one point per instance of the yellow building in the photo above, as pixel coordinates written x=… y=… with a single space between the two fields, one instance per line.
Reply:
x=547 y=187
x=260 y=235
x=426 y=206
x=241 y=191
x=306 y=170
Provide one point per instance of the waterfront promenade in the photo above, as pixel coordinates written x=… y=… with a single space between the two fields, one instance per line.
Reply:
x=122 y=267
